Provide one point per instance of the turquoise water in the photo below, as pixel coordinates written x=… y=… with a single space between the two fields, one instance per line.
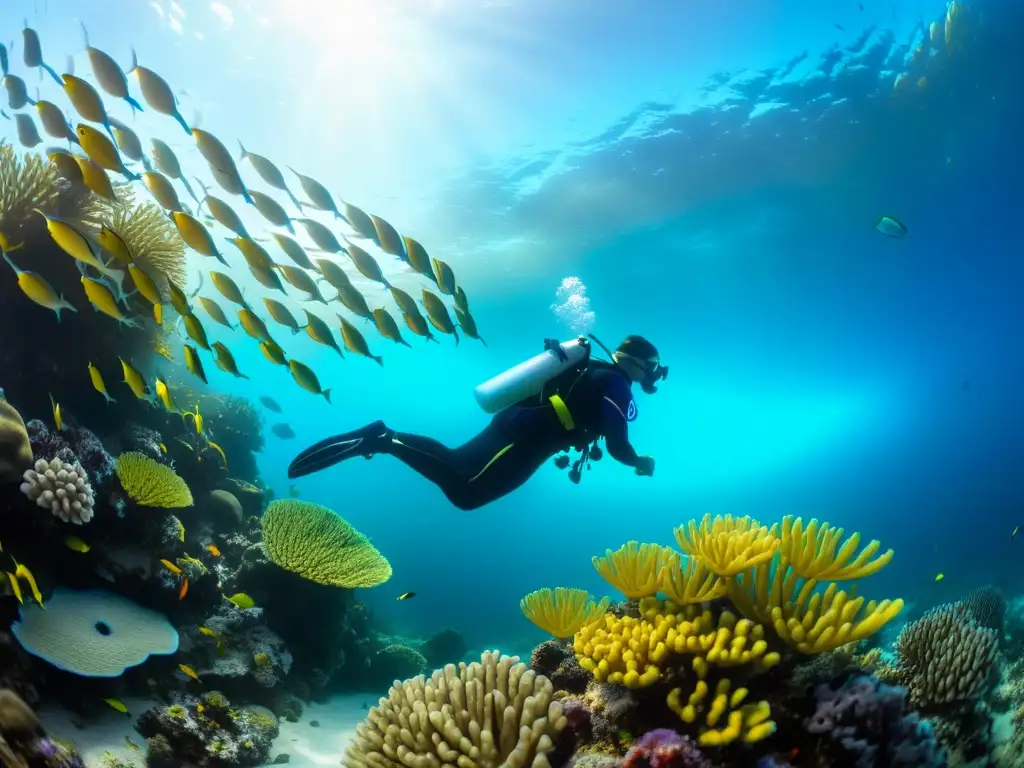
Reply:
x=712 y=176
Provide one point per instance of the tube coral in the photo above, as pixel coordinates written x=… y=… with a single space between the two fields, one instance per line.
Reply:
x=562 y=612
x=688 y=580
x=726 y=545
x=633 y=568
x=811 y=551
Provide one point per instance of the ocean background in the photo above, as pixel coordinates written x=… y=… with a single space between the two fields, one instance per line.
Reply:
x=711 y=173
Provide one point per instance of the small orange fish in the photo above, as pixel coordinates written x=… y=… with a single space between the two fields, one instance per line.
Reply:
x=171 y=567
x=212 y=549
x=189 y=671
x=184 y=589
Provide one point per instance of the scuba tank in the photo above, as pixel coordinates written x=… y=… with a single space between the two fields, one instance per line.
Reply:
x=529 y=377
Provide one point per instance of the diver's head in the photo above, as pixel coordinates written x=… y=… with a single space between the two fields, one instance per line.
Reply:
x=639 y=360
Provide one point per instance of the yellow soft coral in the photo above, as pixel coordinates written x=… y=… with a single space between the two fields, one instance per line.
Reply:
x=690 y=581
x=316 y=543
x=727 y=545
x=633 y=568
x=562 y=612
x=750 y=722
x=630 y=651
x=811 y=551
x=151 y=484
x=808 y=620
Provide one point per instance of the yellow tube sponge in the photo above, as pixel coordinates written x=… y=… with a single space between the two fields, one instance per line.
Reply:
x=562 y=612
x=727 y=545
x=721 y=712
x=687 y=580
x=806 y=619
x=811 y=551
x=633 y=568
x=151 y=484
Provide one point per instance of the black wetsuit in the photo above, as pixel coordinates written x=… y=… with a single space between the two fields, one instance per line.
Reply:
x=511 y=448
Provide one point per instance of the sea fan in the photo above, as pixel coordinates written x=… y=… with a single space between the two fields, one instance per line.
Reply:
x=149 y=234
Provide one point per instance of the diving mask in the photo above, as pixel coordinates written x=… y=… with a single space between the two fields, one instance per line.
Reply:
x=652 y=369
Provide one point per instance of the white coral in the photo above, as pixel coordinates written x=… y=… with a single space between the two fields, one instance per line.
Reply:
x=62 y=488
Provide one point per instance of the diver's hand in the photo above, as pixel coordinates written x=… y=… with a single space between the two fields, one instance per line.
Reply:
x=644 y=466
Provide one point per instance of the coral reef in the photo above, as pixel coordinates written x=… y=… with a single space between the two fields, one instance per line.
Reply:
x=562 y=612
x=23 y=743
x=62 y=488
x=663 y=748
x=15 y=449
x=151 y=484
x=207 y=731
x=488 y=713
x=868 y=721
x=236 y=648
x=397 y=662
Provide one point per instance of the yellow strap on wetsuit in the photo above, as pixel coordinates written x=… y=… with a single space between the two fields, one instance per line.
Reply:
x=562 y=411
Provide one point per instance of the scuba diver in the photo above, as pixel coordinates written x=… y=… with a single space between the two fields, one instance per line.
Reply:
x=560 y=399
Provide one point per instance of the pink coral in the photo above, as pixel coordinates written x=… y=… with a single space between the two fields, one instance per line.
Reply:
x=664 y=748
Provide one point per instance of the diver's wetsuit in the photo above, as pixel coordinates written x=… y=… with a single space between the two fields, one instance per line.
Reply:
x=510 y=449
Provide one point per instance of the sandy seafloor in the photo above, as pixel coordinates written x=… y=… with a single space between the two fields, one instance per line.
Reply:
x=307 y=746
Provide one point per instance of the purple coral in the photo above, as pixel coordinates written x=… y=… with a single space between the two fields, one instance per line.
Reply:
x=868 y=719
x=664 y=748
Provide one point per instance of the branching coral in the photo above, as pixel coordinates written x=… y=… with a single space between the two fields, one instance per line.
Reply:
x=687 y=580
x=491 y=713
x=633 y=568
x=727 y=545
x=149 y=235
x=562 y=612
x=62 y=488
x=150 y=484
x=808 y=620
x=631 y=651
x=811 y=551
x=750 y=722
x=316 y=543
x=947 y=657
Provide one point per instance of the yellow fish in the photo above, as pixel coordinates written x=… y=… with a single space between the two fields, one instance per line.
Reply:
x=223 y=213
x=67 y=166
x=35 y=287
x=388 y=327
x=302 y=281
x=24 y=573
x=444 y=277
x=267 y=278
x=306 y=379
x=253 y=326
x=215 y=312
x=156 y=92
x=178 y=298
x=171 y=567
x=355 y=343
x=271 y=210
x=58 y=420
x=226 y=361
x=15 y=587
x=6 y=246
x=213 y=550
x=387 y=237
x=72 y=241
x=115 y=244
x=255 y=255
x=1015 y=531
x=416 y=256
x=268 y=172
x=102 y=151
x=319 y=332
x=85 y=99
x=227 y=287
x=220 y=452
x=75 y=544
x=321 y=236
x=131 y=744
x=293 y=250
x=282 y=315
x=181 y=530
x=360 y=222
x=405 y=302
x=318 y=194
x=273 y=353
x=144 y=284
x=134 y=380
x=194 y=363
x=223 y=165
x=127 y=140
x=354 y=302
x=461 y=302
x=163 y=449
x=367 y=265
x=118 y=705
x=207 y=631
x=162 y=191
x=437 y=314
x=198 y=418
x=468 y=324
x=53 y=120
x=414 y=322
x=95 y=178
x=102 y=299
x=406 y=596
x=196 y=235
x=164 y=393
x=97 y=382
x=241 y=599
x=940 y=577
x=196 y=331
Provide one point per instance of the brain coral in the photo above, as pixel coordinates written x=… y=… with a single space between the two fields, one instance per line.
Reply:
x=62 y=488
x=93 y=633
x=151 y=484
x=316 y=543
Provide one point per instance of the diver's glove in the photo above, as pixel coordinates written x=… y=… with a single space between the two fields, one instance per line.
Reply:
x=554 y=345
x=644 y=466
